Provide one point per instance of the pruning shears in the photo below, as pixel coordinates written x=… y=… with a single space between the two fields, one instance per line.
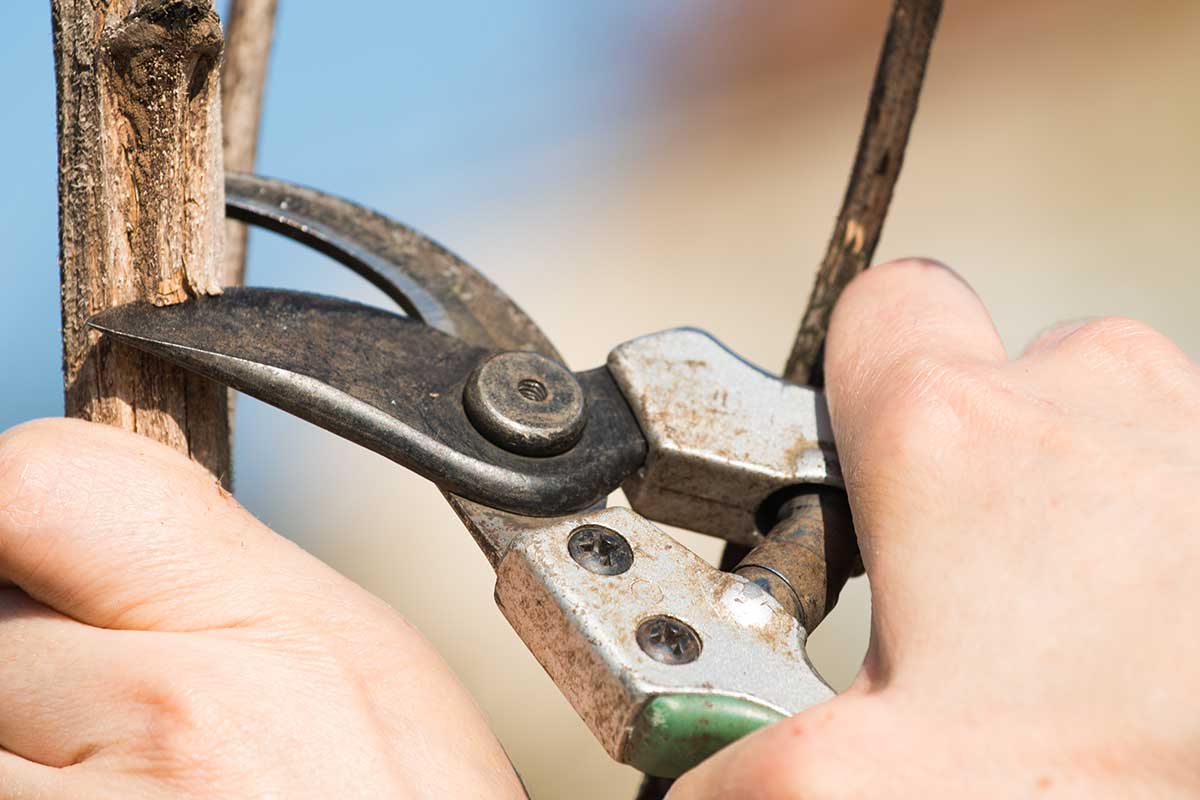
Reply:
x=666 y=658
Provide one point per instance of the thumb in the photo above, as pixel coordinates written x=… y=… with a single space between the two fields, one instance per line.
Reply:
x=895 y=327
x=817 y=754
x=907 y=343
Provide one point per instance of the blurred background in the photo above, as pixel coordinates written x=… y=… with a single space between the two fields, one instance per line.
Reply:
x=625 y=166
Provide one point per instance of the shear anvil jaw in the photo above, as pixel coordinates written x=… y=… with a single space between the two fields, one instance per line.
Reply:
x=723 y=435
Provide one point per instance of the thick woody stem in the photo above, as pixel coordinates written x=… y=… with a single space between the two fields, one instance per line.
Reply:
x=249 y=29
x=140 y=205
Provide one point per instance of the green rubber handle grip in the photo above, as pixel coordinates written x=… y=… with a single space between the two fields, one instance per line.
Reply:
x=675 y=732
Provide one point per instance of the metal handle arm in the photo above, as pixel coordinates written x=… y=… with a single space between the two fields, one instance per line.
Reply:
x=666 y=658
x=724 y=436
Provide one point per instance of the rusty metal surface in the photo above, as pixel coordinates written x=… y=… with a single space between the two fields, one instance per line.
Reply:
x=808 y=555
x=420 y=275
x=386 y=382
x=583 y=626
x=724 y=435
x=526 y=403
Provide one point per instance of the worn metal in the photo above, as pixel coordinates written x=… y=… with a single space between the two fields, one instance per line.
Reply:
x=807 y=556
x=775 y=585
x=724 y=435
x=668 y=640
x=663 y=656
x=420 y=275
x=600 y=550
x=526 y=403
x=582 y=627
x=386 y=382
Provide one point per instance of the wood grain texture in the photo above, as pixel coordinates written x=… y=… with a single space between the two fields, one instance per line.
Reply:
x=250 y=27
x=890 y=112
x=141 y=205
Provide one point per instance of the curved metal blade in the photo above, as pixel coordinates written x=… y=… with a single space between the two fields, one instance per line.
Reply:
x=386 y=382
x=422 y=277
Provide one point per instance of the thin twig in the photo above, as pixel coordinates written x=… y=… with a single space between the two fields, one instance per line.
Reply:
x=893 y=104
x=249 y=27
x=890 y=112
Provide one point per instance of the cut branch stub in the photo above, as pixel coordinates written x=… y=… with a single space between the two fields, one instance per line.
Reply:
x=159 y=66
x=141 y=205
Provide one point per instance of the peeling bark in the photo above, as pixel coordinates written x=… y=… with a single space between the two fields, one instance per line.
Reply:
x=141 y=205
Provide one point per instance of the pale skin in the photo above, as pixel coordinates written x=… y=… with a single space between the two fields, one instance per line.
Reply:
x=1027 y=527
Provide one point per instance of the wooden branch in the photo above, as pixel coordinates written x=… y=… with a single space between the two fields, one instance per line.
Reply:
x=881 y=144
x=141 y=202
x=890 y=112
x=249 y=29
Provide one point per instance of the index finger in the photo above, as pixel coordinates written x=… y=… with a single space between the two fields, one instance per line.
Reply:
x=118 y=531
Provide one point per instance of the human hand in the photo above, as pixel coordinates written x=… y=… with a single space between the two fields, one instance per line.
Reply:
x=162 y=643
x=1029 y=529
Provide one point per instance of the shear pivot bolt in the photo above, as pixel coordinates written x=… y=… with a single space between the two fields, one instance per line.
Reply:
x=526 y=403
x=668 y=640
x=600 y=550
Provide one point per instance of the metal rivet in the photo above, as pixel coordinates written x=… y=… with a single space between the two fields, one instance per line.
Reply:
x=600 y=550
x=526 y=403
x=668 y=640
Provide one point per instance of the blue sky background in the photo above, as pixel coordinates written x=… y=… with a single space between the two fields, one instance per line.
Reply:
x=419 y=109
x=438 y=114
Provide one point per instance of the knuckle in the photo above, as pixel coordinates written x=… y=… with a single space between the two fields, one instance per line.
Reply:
x=1119 y=347
x=1122 y=340
x=35 y=456
x=26 y=447
x=168 y=708
x=33 y=459
x=176 y=721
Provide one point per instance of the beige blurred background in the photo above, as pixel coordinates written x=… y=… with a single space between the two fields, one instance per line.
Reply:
x=1054 y=163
